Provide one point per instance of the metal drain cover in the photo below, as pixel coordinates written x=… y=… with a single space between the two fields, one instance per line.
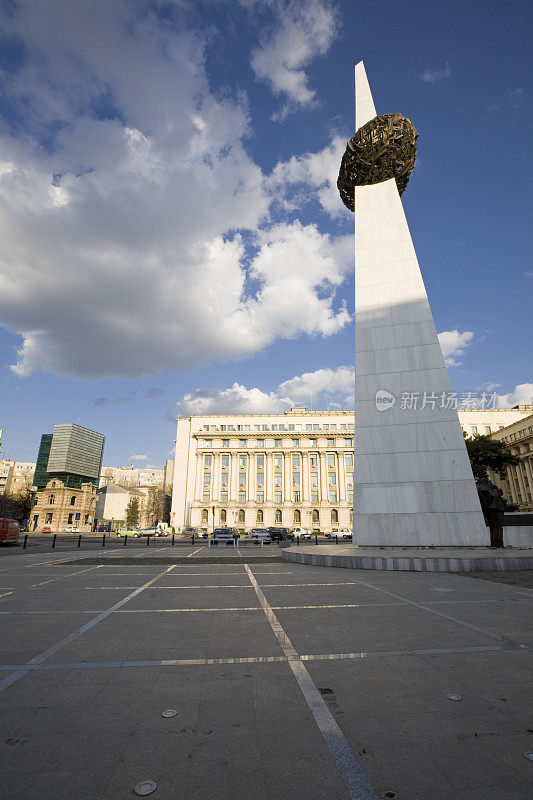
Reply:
x=145 y=787
x=454 y=697
x=170 y=712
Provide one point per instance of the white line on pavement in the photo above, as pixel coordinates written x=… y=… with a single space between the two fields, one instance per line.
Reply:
x=350 y=770
x=194 y=552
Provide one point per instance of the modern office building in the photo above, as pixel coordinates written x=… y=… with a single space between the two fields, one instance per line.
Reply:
x=72 y=454
x=289 y=469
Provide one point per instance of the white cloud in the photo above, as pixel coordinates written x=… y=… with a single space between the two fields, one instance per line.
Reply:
x=453 y=344
x=310 y=389
x=316 y=170
x=121 y=250
x=140 y=457
x=522 y=394
x=303 y=30
x=430 y=76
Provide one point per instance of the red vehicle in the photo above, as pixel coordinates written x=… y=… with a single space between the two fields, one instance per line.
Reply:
x=47 y=529
x=9 y=530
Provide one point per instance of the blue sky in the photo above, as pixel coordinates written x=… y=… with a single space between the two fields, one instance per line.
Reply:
x=171 y=240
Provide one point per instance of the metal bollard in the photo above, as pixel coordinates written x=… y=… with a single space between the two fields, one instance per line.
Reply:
x=79 y=540
x=54 y=541
x=172 y=540
x=193 y=540
x=25 y=542
x=148 y=541
x=125 y=540
x=316 y=538
x=103 y=540
x=298 y=540
x=336 y=539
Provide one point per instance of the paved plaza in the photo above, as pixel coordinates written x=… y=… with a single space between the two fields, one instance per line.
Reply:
x=289 y=681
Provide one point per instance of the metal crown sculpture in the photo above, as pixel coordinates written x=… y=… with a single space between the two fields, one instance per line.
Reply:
x=383 y=148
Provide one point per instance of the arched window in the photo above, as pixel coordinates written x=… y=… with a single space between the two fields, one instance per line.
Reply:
x=73 y=500
x=278 y=516
x=297 y=517
x=241 y=515
x=223 y=516
x=259 y=518
x=334 y=516
x=316 y=516
x=205 y=516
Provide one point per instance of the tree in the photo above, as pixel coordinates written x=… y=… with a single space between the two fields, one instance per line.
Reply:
x=16 y=506
x=155 y=507
x=486 y=453
x=132 y=512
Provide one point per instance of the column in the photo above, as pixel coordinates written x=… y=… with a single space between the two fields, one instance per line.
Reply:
x=234 y=478
x=521 y=484
x=514 y=495
x=287 y=494
x=198 y=486
x=269 y=476
x=341 y=476
x=529 y=472
x=305 y=477
x=252 y=481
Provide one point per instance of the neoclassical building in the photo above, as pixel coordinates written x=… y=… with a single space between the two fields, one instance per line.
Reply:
x=248 y=470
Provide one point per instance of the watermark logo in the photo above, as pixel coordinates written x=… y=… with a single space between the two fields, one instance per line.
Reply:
x=384 y=400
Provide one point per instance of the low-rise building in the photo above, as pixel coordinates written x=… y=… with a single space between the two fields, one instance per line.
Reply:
x=112 y=502
x=517 y=486
x=61 y=507
x=485 y=421
x=131 y=477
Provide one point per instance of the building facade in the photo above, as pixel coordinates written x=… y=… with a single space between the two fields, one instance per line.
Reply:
x=6 y=474
x=517 y=486
x=72 y=454
x=487 y=421
x=61 y=507
x=289 y=469
x=112 y=501
x=22 y=477
x=132 y=477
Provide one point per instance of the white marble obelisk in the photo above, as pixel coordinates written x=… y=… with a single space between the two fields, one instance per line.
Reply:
x=413 y=480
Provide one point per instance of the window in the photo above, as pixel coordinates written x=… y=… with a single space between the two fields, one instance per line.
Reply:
x=278 y=516
x=349 y=496
x=260 y=497
x=501 y=427
x=332 y=497
x=291 y=427
x=87 y=518
x=313 y=460
x=316 y=427
x=333 y=427
x=297 y=517
x=69 y=521
x=331 y=460
x=241 y=515
x=308 y=427
x=209 y=443
x=260 y=479
x=246 y=427
x=242 y=478
x=314 y=479
x=282 y=428
x=239 y=427
x=277 y=442
x=73 y=500
x=259 y=516
x=348 y=459
x=316 y=516
x=332 y=479
x=205 y=516
x=264 y=427
x=242 y=462
x=223 y=516
x=350 y=426
x=223 y=427
x=49 y=517
x=325 y=427
x=334 y=516
x=242 y=496
x=225 y=442
x=348 y=442
x=278 y=497
x=207 y=478
x=295 y=478
x=224 y=478
x=277 y=479
x=296 y=497
x=225 y=461
x=295 y=460
x=206 y=497
x=277 y=461
x=242 y=442
x=260 y=442
x=208 y=461
x=51 y=500
x=224 y=496
x=312 y=442
x=474 y=429
x=351 y=517
x=257 y=427
x=296 y=443
x=330 y=442
x=260 y=462
x=314 y=497
x=274 y=427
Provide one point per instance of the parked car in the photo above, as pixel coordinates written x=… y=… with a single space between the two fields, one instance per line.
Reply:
x=261 y=534
x=280 y=534
x=226 y=534
x=133 y=532
x=195 y=532
x=47 y=529
x=303 y=533
x=9 y=530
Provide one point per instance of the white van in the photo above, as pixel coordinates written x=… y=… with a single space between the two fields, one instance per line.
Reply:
x=303 y=533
